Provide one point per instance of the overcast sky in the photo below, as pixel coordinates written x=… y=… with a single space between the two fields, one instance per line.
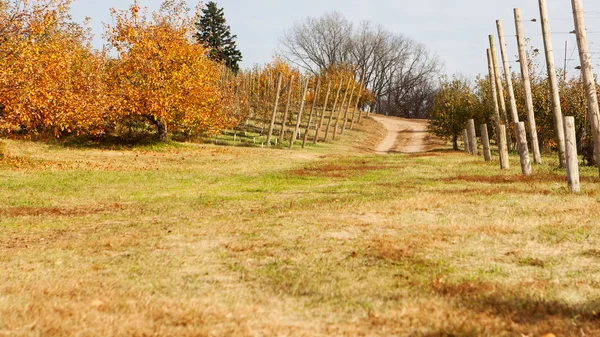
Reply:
x=456 y=30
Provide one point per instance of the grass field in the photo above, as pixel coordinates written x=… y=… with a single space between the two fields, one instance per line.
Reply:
x=201 y=240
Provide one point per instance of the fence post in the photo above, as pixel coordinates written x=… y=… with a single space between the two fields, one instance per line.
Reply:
x=503 y=148
x=485 y=140
x=299 y=120
x=472 y=137
x=274 y=115
x=523 y=149
x=571 y=155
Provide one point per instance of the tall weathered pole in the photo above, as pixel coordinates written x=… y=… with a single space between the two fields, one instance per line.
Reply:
x=360 y=89
x=348 y=106
x=287 y=109
x=339 y=115
x=275 y=106
x=312 y=111
x=500 y=142
x=299 y=119
x=552 y=79
x=524 y=62
x=335 y=102
x=588 y=75
x=507 y=76
x=320 y=123
x=499 y=87
x=523 y=150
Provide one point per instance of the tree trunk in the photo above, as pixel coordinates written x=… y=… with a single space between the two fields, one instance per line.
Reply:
x=455 y=142
x=161 y=128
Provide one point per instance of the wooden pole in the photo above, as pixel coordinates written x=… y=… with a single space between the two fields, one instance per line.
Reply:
x=499 y=87
x=360 y=90
x=571 y=155
x=485 y=140
x=335 y=102
x=507 y=75
x=287 y=109
x=339 y=115
x=552 y=79
x=274 y=114
x=524 y=62
x=320 y=124
x=299 y=119
x=312 y=110
x=588 y=75
x=497 y=119
x=466 y=141
x=503 y=148
x=348 y=106
x=472 y=137
x=523 y=149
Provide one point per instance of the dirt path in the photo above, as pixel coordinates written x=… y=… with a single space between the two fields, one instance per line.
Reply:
x=405 y=135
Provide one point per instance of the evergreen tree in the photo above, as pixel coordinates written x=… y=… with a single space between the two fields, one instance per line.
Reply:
x=214 y=33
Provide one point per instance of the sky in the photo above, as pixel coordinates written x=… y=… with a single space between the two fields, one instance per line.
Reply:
x=457 y=30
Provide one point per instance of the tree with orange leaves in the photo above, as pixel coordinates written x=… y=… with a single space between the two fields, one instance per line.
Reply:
x=162 y=76
x=50 y=78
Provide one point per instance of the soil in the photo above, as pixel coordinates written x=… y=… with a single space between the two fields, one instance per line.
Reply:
x=405 y=135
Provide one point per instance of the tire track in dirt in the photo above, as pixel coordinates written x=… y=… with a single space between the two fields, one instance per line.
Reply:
x=405 y=135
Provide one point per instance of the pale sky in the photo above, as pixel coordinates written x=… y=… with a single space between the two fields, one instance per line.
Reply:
x=457 y=30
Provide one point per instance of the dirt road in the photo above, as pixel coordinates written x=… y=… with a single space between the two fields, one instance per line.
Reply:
x=405 y=135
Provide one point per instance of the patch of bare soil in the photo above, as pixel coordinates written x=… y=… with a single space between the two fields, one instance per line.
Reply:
x=405 y=135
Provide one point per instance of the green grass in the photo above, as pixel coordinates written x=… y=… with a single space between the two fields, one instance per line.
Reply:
x=205 y=240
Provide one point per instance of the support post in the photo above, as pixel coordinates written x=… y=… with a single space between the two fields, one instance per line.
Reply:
x=503 y=148
x=587 y=73
x=499 y=88
x=571 y=155
x=320 y=123
x=360 y=89
x=508 y=79
x=523 y=149
x=485 y=140
x=312 y=111
x=472 y=137
x=337 y=96
x=350 y=99
x=339 y=115
x=287 y=109
x=524 y=62
x=299 y=120
x=553 y=81
x=466 y=141
x=274 y=114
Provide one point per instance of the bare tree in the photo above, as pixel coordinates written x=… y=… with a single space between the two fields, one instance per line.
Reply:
x=317 y=43
x=400 y=72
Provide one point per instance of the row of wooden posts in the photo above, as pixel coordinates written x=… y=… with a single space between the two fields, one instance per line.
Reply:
x=572 y=164
x=347 y=112
x=564 y=126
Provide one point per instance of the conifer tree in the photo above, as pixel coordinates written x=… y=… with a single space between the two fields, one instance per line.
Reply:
x=215 y=34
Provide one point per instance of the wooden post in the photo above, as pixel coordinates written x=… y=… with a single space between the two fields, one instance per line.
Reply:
x=360 y=89
x=588 y=76
x=523 y=149
x=312 y=110
x=287 y=109
x=472 y=137
x=485 y=140
x=299 y=120
x=337 y=97
x=274 y=114
x=339 y=115
x=503 y=148
x=497 y=119
x=524 y=62
x=571 y=155
x=466 y=141
x=507 y=77
x=320 y=124
x=552 y=79
x=499 y=87
x=348 y=107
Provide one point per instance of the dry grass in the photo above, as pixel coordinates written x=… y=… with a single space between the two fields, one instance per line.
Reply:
x=192 y=240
